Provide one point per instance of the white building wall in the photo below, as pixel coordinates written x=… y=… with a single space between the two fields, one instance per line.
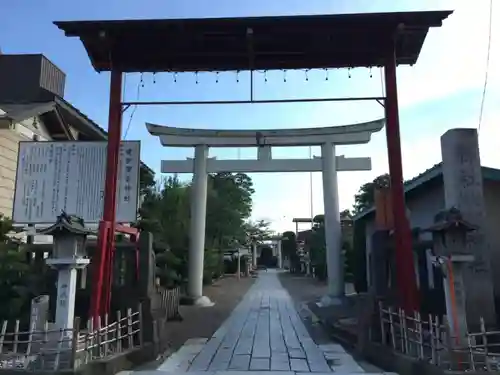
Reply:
x=427 y=204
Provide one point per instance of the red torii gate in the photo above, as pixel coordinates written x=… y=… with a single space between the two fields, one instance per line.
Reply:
x=258 y=43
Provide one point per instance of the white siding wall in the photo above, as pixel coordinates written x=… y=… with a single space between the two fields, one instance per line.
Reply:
x=10 y=136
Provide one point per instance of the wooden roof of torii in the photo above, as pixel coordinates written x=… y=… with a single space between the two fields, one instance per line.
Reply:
x=264 y=43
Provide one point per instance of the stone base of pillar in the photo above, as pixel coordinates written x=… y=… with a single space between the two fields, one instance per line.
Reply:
x=202 y=301
x=331 y=301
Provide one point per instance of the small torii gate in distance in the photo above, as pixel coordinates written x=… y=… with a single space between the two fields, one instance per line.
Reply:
x=255 y=43
x=265 y=140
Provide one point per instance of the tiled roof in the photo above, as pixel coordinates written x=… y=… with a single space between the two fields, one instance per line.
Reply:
x=427 y=176
x=83 y=124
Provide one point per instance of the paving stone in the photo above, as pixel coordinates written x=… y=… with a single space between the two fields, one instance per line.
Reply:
x=297 y=364
x=263 y=336
x=318 y=364
x=331 y=348
x=260 y=364
x=280 y=362
x=240 y=362
x=297 y=353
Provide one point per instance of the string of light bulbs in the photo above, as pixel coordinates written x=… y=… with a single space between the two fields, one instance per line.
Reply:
x=264 y=73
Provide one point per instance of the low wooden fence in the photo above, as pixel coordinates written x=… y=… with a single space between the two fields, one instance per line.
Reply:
x=429 y=339
x=53 y=349
x=168 y=301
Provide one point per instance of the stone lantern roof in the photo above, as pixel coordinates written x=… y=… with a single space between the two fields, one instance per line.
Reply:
x=450 y=219
x=67 y=224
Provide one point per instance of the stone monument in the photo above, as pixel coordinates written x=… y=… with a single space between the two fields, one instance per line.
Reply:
x=463 y=189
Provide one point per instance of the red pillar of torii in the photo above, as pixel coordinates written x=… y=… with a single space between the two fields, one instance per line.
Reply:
x=405 y=272
x=102 y=271
x=345 y=40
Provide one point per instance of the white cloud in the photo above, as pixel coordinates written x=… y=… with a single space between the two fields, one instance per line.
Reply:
x=454 y=55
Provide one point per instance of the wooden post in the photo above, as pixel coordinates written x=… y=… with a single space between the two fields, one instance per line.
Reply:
x=129 y=329
x=98 y=336
x=91 y=334
x=106 y=336
x=382 y=325
x=118 y=331
x=2 y=337
x=141 y=338
x=16 y=337
x=74 y=343
x=391 y=326
x=485 y=344
x=30 y=338
x=433 y=340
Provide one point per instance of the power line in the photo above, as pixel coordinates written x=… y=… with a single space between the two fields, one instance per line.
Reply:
x=139 y=85
x=311 y=189
x=487 y=64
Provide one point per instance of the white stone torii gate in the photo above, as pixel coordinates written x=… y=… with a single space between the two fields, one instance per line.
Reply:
x=264 y=140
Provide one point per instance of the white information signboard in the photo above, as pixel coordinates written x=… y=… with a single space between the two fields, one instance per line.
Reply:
x=69 y=176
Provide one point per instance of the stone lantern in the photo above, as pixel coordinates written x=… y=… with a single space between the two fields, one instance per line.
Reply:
x=69 y=254
x=449 y=232
x=449 y=239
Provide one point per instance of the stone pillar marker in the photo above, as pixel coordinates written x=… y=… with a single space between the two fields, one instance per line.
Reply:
x=463 y=189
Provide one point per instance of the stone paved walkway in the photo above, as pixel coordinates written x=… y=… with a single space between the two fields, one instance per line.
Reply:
x=264 y=334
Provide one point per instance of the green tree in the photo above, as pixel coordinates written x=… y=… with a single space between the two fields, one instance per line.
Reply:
x=317 y=245
x=365 y=197
x=20 y=279
x=257 y=232
x=165 y=212
x=229 y=205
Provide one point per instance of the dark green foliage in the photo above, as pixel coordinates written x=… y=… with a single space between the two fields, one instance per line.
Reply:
x=317 y=246
x=166 y=213
x=21 y=278
x=365 y=197
x=289 y=247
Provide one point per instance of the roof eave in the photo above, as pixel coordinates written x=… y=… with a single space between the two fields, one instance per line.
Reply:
x=120 y=32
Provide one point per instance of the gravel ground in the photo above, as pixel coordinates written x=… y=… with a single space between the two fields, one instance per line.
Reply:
x=305 y=290
x=202 y=322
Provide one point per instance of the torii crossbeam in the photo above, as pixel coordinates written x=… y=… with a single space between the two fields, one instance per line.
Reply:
x=265 y=140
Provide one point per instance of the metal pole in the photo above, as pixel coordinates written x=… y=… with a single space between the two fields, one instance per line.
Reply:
x=405 y=271
x=100 y=299
x=257 y=101
x=311 y=190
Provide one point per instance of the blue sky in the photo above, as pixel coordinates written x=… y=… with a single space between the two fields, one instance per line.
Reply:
x=441 y=92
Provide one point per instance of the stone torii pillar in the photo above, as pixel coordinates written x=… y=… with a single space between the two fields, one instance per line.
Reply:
x=254 y=255
x=197 y=228
x=280 y=253
x=334 y=259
